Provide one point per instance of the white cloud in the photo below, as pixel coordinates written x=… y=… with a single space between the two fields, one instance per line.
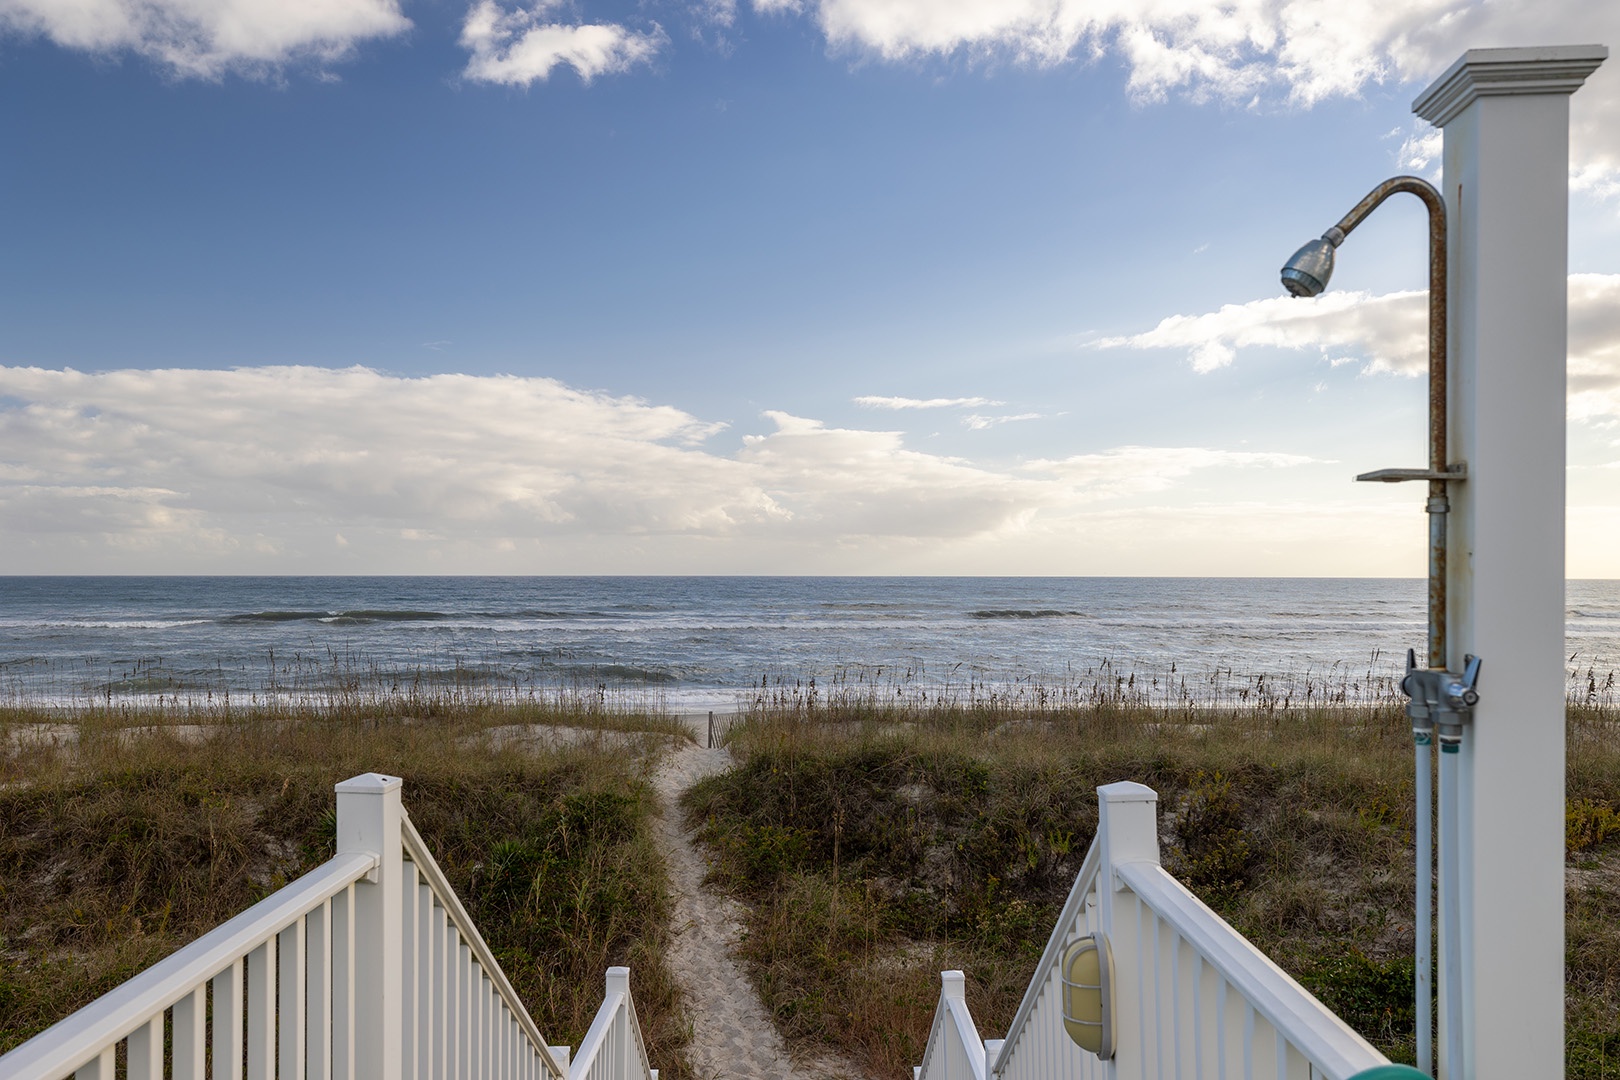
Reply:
x=1298 y=51
x=223 y=468
x=1390 y=333
x=522 y=46
x=1129 y=470
x=1594 y=347
x=979 y=422
x=208 y=39
x=1420 y=150
x=872 y=401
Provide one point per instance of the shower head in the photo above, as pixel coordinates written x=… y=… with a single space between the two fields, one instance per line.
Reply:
x=1308 y=271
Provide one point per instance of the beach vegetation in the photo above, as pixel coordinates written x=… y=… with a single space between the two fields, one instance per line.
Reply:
x=125 y=833
x=947 y=834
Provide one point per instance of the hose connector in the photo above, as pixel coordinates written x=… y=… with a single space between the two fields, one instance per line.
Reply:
x=1441 y=700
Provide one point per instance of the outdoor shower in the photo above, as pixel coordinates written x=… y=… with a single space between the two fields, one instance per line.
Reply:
x=1441 y=701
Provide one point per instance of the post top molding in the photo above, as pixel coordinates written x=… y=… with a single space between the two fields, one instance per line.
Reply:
x=369 y=784
x=1540 y=69
x=1126 y=791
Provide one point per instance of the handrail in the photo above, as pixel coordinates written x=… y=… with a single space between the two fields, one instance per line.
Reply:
x=591 y=1045
x=1318 y=1033
x=968 y=1033
x=429 y=869
x=69 y=1043
x=1084 y=882
x=953 y=1037
x=618 y=1006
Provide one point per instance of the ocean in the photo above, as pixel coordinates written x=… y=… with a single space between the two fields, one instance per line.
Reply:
x=693 y=643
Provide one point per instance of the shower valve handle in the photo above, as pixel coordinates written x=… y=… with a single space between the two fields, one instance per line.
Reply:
x=1443 y=699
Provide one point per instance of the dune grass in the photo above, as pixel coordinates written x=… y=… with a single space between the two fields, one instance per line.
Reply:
x=875 y=846
x=127 y=832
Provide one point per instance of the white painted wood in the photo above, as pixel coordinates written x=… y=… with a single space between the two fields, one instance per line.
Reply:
x=261 y=1012
x=1075 y=919
x=227 y=1023
x=1329 y=1043
x=1192 y=998
x=369 y=966
x=318 y=993
x=190 y=1035
x=343 y=976
x=442 y=997
x=408 y=970
x=63 y=1047
x=464 y=1012
x=145 y=1049
x=100 y=1068
x=292 y=1001
x=1505 y=116
x=426 y=974
x=1127 y=832
x=368 y=820
x=456 y=913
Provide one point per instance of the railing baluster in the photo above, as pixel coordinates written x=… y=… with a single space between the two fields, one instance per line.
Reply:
x=1282 y=1057
x=427 y=967
x=1248 y=1041
x=261 y=1013
x=145 y=1050
x=100 y=1069
x=452 y=1001
x=464 y=1035
x=191 y=1035
x=291 y=1008
x=442 y=976
x=475 y=1023
x=227 y=1024
x=343 y=975
x=1224 y=1033
x=1173 y=983
x=1265 y=1048
x=318 y=993
x=408 y=962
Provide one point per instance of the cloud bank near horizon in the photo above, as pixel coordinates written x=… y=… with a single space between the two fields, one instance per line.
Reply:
x=249 y=466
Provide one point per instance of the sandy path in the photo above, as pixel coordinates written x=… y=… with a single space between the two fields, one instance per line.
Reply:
x=732 y=1036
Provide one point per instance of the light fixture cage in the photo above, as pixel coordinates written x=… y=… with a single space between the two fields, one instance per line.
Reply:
x=1087 y=974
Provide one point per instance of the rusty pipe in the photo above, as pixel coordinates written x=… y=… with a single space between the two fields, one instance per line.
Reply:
x=1317 y=261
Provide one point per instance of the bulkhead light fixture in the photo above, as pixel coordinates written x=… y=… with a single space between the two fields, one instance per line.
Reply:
x=1087 y=970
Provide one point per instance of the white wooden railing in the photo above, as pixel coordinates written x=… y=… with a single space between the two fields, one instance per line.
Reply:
x=1191 y=996
x=366 y=968
x=954 y=1051
x=613 y=1049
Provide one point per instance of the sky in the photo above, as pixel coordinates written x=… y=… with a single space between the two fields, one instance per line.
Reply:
x=742 y=286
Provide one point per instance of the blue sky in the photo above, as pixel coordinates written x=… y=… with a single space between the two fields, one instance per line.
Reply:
x=858 y=286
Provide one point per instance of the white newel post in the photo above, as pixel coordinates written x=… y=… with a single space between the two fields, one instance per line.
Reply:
x=618 y=982
x=1505 y=115
x=368 y=819
x=1128 y=824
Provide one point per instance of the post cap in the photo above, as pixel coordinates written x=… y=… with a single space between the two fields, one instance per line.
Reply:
x=369 y=784
x=1540 y=69
x=953 y=984
x=1126 y=791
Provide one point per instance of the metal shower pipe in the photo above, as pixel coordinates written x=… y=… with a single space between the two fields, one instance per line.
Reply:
x=1307 y=274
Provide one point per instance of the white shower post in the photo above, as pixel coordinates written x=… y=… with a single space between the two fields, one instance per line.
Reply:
x=1505 y=115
